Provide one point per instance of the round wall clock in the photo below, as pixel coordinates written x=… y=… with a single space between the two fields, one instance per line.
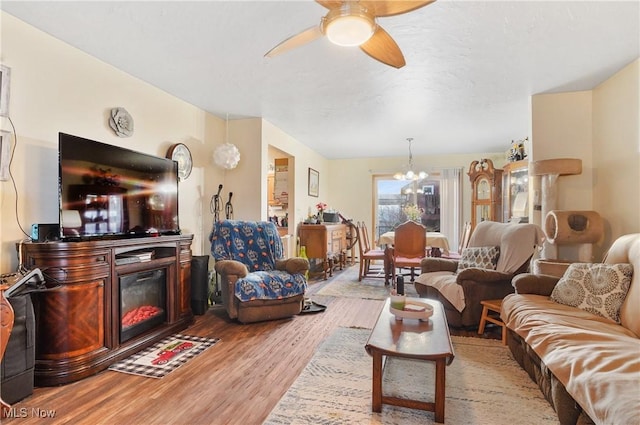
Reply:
x=181 y=154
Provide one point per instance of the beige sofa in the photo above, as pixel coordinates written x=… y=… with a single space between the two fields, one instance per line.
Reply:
x=587 y=366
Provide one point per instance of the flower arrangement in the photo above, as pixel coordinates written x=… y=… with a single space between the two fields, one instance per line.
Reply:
x=321 y=206
x=413 y=212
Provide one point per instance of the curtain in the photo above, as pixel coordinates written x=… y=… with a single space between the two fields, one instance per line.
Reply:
x=451 y=205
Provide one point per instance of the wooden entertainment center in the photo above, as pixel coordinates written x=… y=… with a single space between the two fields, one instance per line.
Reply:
x=79 y=329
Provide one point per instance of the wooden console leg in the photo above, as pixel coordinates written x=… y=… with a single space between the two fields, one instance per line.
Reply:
x=6 y=325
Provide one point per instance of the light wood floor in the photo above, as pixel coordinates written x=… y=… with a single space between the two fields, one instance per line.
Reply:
x=237 y=381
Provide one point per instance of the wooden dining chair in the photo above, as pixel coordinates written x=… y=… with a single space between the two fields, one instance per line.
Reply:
x=465 y=235
x=367 y=255
x=365 y=236
x=409 y=247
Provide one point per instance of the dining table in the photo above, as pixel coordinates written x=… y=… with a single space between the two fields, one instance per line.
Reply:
x=434 y=239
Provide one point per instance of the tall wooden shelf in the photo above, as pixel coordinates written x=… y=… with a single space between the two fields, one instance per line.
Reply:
x=78 y=317
x=515 y=191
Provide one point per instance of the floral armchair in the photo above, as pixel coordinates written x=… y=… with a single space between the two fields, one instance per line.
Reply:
x=256 y=283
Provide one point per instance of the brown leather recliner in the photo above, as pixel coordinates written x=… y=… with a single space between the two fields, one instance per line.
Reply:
x=461 y=292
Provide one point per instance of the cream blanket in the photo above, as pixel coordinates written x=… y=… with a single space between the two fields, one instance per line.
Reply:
x=445 y=283
x=517 y=244
x=597 y=360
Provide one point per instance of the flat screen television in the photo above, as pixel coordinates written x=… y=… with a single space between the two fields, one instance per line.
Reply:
x=106 y=191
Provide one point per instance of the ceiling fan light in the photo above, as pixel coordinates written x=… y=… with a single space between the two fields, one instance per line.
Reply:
x=351 y=30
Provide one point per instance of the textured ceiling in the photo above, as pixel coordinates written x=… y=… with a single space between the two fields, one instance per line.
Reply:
x=471 y=66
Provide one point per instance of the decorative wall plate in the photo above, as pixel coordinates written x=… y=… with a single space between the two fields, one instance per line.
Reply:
x=182 y=155
x=121 y=122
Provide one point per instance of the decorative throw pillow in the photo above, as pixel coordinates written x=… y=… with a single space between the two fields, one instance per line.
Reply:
x=598 y=288
x=482 y=257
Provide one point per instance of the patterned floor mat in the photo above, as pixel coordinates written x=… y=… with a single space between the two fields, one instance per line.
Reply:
x=165 y=356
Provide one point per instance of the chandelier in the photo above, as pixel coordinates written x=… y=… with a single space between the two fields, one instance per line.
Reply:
x=410 y=174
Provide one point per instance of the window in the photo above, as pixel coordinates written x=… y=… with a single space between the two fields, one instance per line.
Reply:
x=434 y=202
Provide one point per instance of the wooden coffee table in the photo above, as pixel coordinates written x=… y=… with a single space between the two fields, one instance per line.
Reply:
x=411 y=339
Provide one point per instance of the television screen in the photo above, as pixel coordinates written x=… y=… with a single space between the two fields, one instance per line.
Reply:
x=109 y=191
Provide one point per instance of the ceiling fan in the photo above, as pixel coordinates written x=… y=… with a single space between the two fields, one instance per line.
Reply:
x=353 y=23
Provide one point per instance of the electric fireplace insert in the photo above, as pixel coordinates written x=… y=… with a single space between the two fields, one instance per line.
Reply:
x=143 y=298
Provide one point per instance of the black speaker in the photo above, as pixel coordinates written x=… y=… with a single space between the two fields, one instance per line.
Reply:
x=199 y=284
x=17 y=366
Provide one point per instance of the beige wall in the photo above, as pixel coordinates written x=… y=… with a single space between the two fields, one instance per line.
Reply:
x=244 y=180
x=302 y=157
x=616 y=152
x=562 y=125
x=75 y=95
x=54 y=88
x=599 y=127
x=352 y=179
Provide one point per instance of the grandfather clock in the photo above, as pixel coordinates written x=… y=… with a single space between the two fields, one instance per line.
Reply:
x=486 y=192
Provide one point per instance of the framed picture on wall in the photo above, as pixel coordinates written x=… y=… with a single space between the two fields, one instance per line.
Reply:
x=5 y=75
x=314 y=182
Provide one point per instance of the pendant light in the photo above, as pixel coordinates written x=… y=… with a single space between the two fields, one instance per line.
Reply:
x=227 y=155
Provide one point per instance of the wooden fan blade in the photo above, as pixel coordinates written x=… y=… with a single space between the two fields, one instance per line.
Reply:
x=306 y=36
x=392 y=7
x=330 y=4
x=383 y=48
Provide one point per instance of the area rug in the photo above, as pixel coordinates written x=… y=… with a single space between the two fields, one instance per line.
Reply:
x=484 y=385
x=165 y=356
x=346 y=284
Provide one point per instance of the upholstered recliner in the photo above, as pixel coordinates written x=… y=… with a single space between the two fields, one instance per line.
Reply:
x=461 y=287
x=256 y=283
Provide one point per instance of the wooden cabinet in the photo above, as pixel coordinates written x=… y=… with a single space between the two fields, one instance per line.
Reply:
x=515 y=191
x=327 y=242
x=79 y=329
x=486 y=192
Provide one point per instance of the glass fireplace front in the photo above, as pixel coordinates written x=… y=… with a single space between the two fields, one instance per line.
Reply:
x=142 y=302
